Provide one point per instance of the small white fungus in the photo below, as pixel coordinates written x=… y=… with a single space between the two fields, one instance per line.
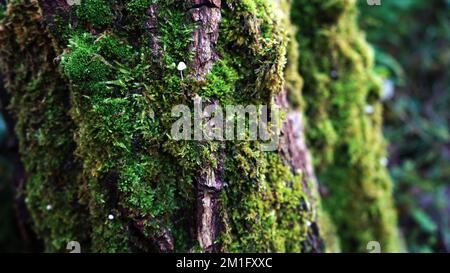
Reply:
x=181 y=66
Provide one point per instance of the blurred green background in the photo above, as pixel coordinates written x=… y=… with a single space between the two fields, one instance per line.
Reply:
x=411 y=39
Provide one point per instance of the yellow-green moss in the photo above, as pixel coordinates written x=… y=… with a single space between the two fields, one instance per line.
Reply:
x=344 y=123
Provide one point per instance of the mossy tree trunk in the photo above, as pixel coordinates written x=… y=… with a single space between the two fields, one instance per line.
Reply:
x=102 y=172
x=342 y=97
x=92 y=89
x=16 y=225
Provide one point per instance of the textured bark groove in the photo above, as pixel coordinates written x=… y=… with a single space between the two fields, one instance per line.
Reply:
x=206 y=15
x=209 y=186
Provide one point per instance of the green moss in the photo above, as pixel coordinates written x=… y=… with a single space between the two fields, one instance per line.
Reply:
x=138 y=6
x=266 y=208
x=346 y=140
x=114 y=89
x=270 y=198
x=45 y=131
x=84 y=64
x=98 y=13
x=138 y=11
x=114 y=48
x=221 y=82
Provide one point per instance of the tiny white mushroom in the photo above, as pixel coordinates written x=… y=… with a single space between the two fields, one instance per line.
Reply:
x=111 y=217
x=181 y=66
x=48 y=207
x=369 y=109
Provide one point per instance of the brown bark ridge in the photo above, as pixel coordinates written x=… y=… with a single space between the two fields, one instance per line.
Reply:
x=293 y=144
x=151 y=25
x=206 y=15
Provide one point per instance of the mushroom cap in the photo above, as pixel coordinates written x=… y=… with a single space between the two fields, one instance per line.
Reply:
x=181 y=66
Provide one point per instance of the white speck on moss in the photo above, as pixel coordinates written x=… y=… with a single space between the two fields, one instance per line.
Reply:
x=369 y=109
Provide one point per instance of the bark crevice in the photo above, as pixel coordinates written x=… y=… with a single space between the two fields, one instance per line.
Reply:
x=206 y=15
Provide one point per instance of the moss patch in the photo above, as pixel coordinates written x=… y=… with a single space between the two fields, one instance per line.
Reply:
x=344 y=123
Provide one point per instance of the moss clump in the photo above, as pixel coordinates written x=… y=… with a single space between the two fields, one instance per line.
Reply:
x=156 y=176
x=84 y=64
x=132 y=170
x=344 y=122
x=266 y=204
x=114 y=48
x=98 y=13
x=137 y=10
x=221 y=82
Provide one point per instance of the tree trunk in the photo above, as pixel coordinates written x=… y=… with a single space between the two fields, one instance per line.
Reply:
x=17 y=234
x=344 y=119
x=92 y=89
x=139 y=189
